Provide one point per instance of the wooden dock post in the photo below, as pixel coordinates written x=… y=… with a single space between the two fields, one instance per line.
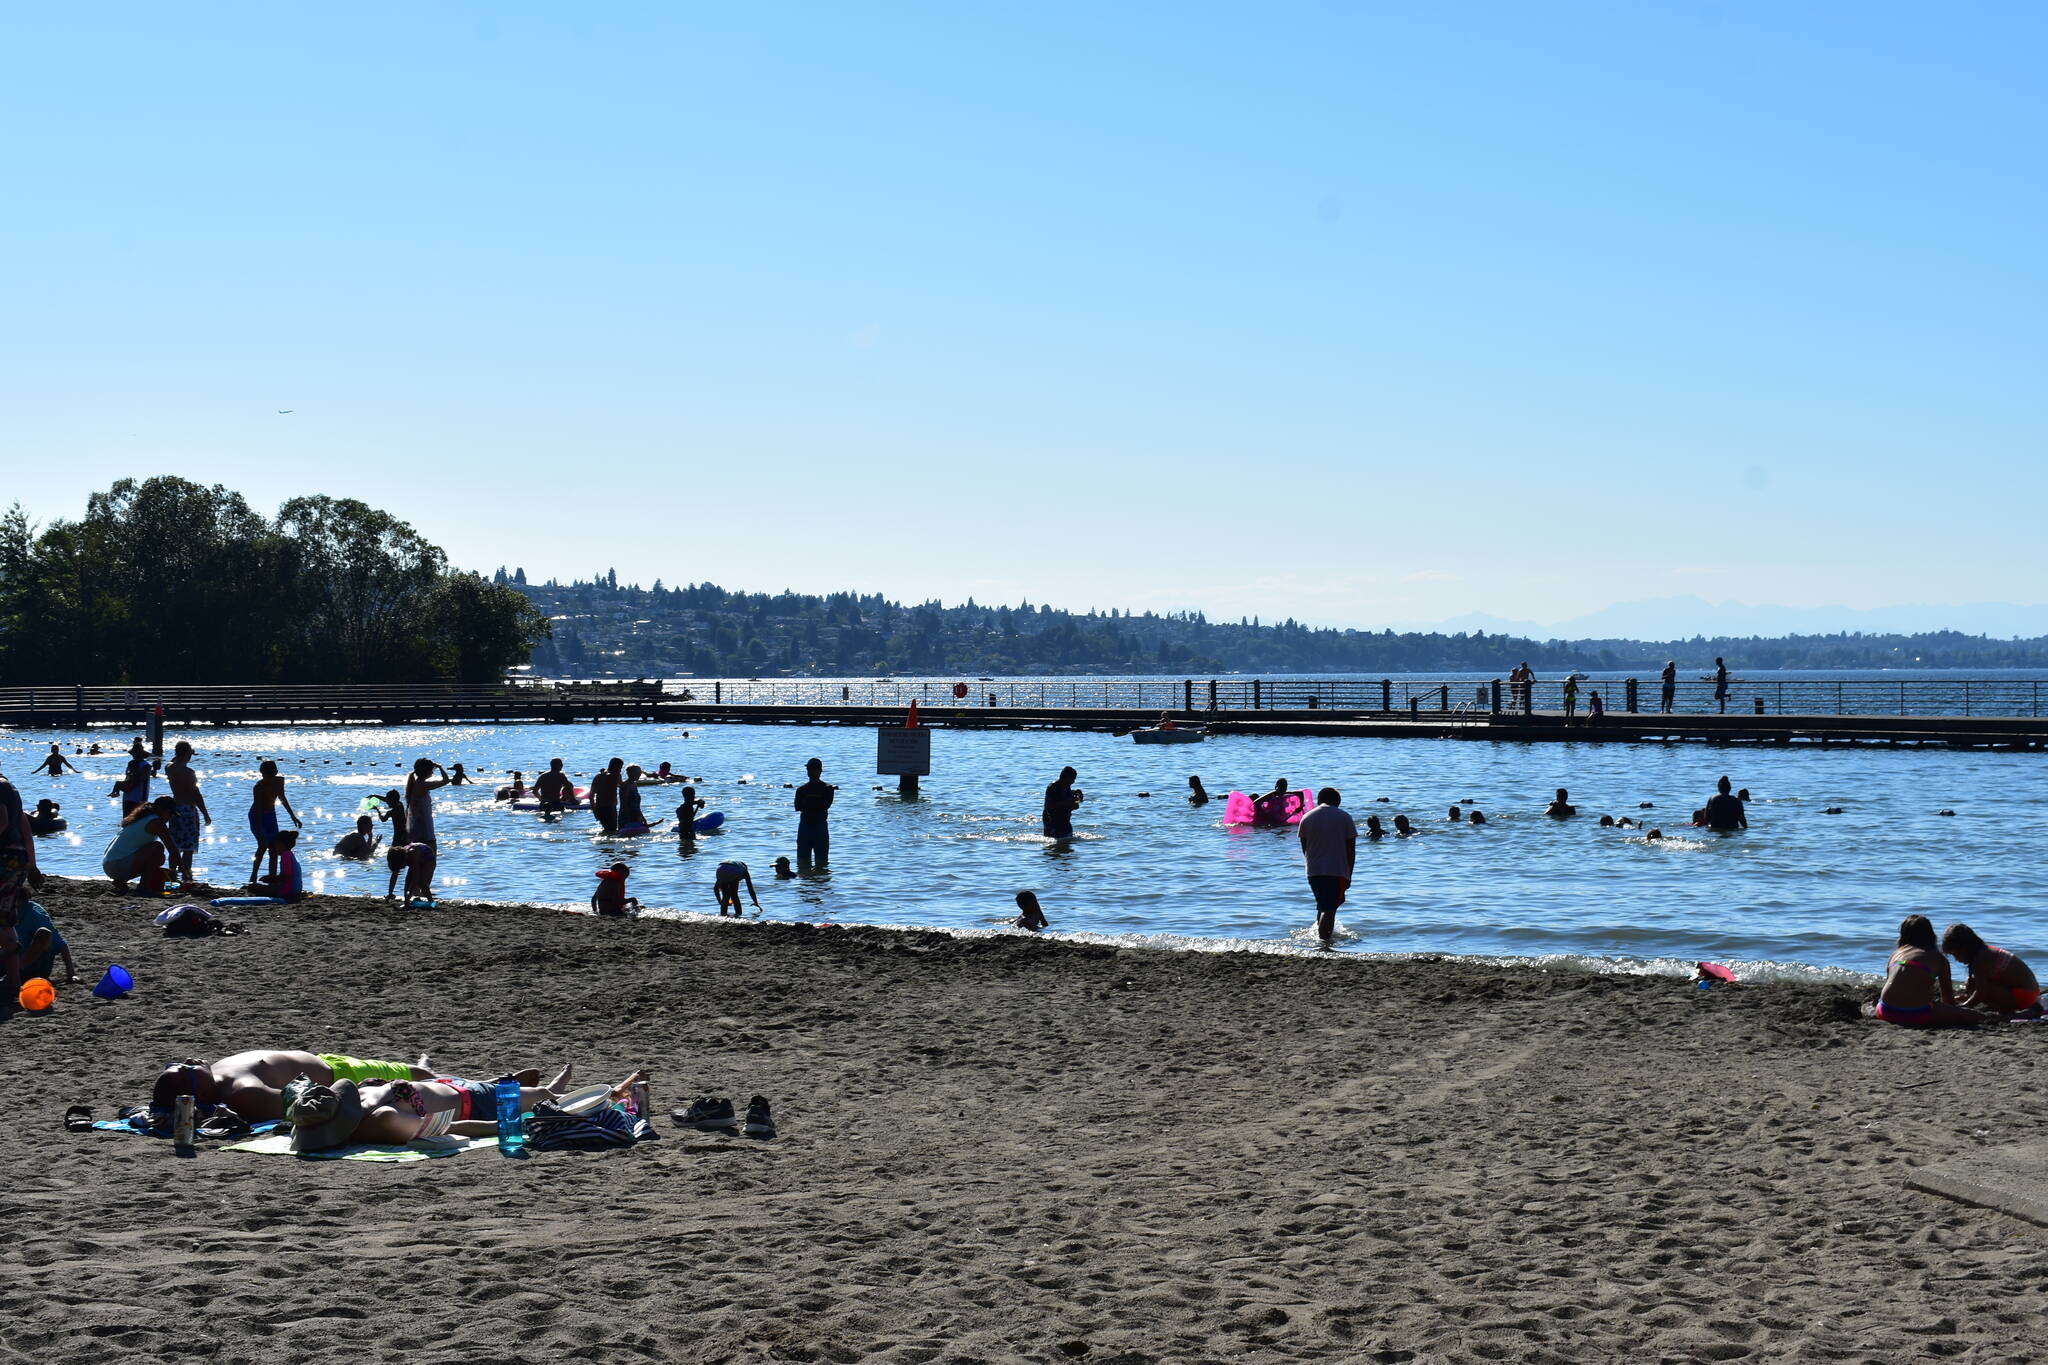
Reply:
x=1495 y=689
x=1386 y=694
x=1632 y=696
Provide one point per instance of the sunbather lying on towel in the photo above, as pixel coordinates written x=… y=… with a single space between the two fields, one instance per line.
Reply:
x=384 y=1113
x=252 y=1083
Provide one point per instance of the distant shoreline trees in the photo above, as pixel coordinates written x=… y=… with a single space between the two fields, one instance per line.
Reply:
x=168 y=581
x=607 y=629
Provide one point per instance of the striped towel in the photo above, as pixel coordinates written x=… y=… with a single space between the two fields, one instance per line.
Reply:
x=553 y=1129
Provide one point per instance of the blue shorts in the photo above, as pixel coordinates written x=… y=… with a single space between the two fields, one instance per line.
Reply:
x=263 y=824
x=185 y=828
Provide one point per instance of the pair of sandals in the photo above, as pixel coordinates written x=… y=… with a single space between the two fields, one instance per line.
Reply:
x=222 y=1123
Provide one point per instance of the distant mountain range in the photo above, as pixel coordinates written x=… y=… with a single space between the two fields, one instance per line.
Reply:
x=1681 y=618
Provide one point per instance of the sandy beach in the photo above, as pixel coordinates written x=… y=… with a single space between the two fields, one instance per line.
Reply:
x=1010 y=1149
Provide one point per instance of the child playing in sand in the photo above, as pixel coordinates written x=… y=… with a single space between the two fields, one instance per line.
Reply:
x=1917 y=990
x=727 y=884
x=610 y=898
x=1998 y=980
x=286 y=879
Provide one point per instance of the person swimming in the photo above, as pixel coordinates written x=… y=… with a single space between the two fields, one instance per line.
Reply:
x=1561 y=808
x=1271 y=809
x=1197 y=794
x=1373 y=829
x=1477 y=817
x=1402 y=828
x=1029 y=915
x=1457 y=815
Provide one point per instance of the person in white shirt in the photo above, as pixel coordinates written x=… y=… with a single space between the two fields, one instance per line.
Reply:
x=1329 y=848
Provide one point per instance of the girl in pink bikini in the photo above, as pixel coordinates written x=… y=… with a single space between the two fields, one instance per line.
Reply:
x=1918 y=991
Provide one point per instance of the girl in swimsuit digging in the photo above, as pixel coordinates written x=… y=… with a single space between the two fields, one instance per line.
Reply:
x=1918 y=991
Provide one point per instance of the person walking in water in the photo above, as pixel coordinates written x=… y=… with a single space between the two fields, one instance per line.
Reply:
x=1329 y=850
x=813 y=802
x=1721 y=684
x=54 y=763
x=1670 y=677
x=1061 y=800
x=268 y=791
x=191 y=809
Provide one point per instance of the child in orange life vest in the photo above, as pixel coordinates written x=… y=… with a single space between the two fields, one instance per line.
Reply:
x=610 y=898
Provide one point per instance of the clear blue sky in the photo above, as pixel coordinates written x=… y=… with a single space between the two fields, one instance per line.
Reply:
x=1354 y=312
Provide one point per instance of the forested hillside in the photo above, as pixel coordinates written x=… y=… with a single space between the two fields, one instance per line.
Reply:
x=603 y=628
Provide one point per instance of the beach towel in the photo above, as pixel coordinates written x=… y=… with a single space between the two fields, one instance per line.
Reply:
x=128 y=1126
x=422 y=1149
x=552 y=1129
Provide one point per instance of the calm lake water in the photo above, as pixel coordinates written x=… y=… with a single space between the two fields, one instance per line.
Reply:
x=1802 y=890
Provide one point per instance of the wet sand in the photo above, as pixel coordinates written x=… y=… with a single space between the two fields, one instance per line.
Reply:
x=1012 y=1149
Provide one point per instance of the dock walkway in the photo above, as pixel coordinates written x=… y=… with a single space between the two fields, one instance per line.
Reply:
x=134 y=708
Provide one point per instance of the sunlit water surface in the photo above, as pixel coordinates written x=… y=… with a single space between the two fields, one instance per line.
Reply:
x=1802 y=893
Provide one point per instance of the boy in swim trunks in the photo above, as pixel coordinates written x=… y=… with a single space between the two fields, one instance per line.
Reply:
x=1998 y=981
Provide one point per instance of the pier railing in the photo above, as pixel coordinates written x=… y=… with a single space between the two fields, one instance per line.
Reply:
x=1692 y=696
x=1469 y=697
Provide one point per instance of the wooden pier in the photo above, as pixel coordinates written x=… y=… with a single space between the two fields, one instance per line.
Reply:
x=133 y=709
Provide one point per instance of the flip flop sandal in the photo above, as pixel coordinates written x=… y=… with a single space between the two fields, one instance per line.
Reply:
x=78 y=1119
x=225 y=1123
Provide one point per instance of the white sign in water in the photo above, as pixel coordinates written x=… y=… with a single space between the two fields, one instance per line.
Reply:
x=900 y=751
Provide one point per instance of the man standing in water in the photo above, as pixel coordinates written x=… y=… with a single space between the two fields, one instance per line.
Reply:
x=134 y=786
x=604 y=795
x=1061 y=800
x=1329 y=848
x=191 y=809
x=1724 y=812
x=269 y=790
x=55 y=763
x=553 y=789
x=813 y=800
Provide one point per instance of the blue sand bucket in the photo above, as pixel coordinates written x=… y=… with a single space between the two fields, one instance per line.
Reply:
x=114 y=982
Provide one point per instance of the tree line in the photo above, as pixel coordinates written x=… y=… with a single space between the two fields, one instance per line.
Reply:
x=168 y=581
x=607 y=629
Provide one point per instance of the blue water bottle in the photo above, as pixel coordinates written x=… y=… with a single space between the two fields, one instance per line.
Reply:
x=511 y=1123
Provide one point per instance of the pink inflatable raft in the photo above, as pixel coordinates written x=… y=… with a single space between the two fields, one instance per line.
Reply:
x=1238 y=808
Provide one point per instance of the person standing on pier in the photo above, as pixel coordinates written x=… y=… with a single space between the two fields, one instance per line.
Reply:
x=55 y=763
x=190 y=810
x=1721 y=684
x=1061 y=800
x=1670 y=678
x=813 y=801
x=268 y=791
x=1571 y=696
x=1329 y=850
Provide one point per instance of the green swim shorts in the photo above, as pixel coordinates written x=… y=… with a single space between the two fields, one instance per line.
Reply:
x=357 y=1069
